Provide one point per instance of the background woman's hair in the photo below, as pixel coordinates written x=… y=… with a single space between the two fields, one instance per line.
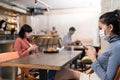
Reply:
x=112 y=18
x=1 y=22
x=24 y=28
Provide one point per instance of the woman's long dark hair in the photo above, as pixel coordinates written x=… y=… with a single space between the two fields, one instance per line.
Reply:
x=24 y=28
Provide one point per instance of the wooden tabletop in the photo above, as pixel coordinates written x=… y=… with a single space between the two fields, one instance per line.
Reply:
x=76 y=48
x=53 y=61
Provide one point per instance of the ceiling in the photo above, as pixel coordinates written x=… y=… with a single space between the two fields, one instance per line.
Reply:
x=51 y=4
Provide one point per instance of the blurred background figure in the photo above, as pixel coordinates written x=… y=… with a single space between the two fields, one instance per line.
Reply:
x=67 y=39
x=54 y=31
x=3 y=26
x=67 y=43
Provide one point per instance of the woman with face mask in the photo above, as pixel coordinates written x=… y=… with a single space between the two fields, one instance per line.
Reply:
x=106 y=64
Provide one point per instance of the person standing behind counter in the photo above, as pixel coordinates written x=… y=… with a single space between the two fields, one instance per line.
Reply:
x=54 y=32
x=3 y=26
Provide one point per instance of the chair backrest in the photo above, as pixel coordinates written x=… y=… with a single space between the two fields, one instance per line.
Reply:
x=8 y=56
x=50 y=42
x=57 y=41
x=117 y=75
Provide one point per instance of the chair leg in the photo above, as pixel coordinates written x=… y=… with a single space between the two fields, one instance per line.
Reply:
x=16 y=72
x=26 y=75
x=22 y=75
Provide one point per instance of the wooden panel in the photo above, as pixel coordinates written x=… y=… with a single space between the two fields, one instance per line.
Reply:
x=22 y=20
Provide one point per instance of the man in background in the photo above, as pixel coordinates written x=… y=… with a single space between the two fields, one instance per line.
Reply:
x=67 y=39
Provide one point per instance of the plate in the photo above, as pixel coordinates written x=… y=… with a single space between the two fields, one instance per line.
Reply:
x=57 y=51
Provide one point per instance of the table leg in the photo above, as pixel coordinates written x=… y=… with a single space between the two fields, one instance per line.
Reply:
x=43 y=74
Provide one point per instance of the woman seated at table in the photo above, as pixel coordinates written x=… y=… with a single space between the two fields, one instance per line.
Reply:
x=24 y=45
x=105 y=65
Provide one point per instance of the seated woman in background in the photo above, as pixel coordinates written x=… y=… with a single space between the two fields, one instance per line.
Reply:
x=106 y=64
x=24 y=45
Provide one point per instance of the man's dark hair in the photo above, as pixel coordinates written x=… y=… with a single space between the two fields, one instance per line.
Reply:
x=72 y=29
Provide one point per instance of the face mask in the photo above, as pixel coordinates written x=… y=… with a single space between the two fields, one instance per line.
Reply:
x=103 y=36
x=101 y=33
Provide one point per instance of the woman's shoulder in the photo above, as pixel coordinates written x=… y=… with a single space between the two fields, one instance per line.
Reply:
x=116 y=44
x=19 y=39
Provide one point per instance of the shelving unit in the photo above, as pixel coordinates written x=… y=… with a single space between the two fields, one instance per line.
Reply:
x=12 y=22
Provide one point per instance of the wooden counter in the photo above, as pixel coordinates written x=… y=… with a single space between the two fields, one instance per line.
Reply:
x=45 y=41
x=6 y=41
x=6 y=45
x=6 y=72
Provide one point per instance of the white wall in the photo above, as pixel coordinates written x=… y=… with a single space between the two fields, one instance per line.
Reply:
x=38 y=23
x=86 y=24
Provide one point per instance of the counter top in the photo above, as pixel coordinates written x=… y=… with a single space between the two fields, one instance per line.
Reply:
x=6 y=41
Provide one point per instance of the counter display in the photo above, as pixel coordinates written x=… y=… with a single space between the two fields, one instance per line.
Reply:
x=7 y=73
x=46 y=41
x=6 y=41
x=8 y=36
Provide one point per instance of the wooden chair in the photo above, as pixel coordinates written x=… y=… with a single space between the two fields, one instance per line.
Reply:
x=57 y=42
x=50 y=42
x=9 y=56
x=117 y=75
x=39 y=41
x=26 y=75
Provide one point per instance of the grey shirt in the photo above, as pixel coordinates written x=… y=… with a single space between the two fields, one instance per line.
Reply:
x=107 y=63
x=67 y=39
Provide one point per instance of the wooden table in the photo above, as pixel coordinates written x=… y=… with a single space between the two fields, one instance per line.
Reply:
x=75 y=48
x=53 y=61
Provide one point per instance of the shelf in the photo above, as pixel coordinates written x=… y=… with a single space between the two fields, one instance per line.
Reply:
x=11 y=23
